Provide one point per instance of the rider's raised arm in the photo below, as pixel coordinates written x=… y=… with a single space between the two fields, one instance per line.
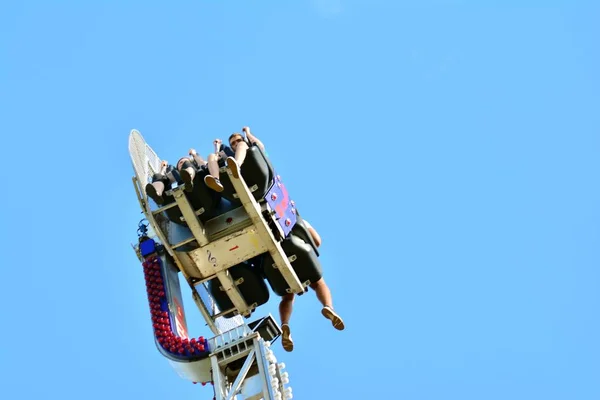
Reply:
x=198 y=159
x=252 y=138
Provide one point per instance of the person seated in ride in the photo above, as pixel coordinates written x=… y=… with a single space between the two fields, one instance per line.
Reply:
x=221 y=152
x=240 y=146
x=161 y=181
x=188 y=166
x=323 y=294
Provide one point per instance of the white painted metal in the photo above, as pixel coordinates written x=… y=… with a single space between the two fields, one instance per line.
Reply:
x=144 y=159
x=195 y=371
x=237 y=384
x=220 y=245
x=146 y=163
x=260 y=376
x=190 y=216
x=213 y=258
x=227 y=251
x=264 y=232
x=209 y=260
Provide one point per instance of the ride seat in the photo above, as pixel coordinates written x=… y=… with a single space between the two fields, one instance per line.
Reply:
x=256 y=171
x=203 y=197
x=173 y=213
x=301 y=230
x=253 y=288
x=304 y=261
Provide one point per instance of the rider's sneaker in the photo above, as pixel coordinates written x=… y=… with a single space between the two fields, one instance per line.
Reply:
x=286 y=338
x=234 y=167
x=335 y=319
x=155 y=193
x=187 y=176
x=213 y=183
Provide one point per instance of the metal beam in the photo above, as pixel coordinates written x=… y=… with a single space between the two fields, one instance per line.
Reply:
x=237 y=384
x=190 y=216
x=150 y=217
x=264 y=232
x=217 y=378
x=263 y=368
x=200 y=234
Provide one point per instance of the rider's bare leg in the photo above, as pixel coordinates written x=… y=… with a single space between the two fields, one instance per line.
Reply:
x=285 y=308
x=157 y=187
x=213 y=165
x=199 y=160
x=212 y=180
x=240 y=152
x=155 y=190
x=187 y=172
x=324 y=296
x=285 y=313
x=240 y=155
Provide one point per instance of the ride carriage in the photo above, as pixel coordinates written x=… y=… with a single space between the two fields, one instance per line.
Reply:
x=230 y=247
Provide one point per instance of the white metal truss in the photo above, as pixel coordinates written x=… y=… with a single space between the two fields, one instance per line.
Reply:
x=260 y=376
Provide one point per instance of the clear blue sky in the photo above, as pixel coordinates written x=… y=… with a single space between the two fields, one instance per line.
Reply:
x=448 y=154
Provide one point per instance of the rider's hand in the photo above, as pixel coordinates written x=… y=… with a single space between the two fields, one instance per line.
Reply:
x=217 y=143
x=164 y=163
x=246 y=130
x=192 y=152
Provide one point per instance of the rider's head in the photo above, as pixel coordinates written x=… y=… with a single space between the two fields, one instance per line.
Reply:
x=234 y=139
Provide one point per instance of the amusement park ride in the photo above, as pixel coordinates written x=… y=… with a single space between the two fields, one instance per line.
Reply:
x=227 y=246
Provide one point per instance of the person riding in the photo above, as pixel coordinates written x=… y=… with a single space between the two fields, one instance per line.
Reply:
x=221 y=152
x=240 y=146
x=162 y=181
x=323 y=294
x=188 y=166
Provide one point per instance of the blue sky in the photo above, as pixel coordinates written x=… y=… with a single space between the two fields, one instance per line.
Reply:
x=447 y=153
